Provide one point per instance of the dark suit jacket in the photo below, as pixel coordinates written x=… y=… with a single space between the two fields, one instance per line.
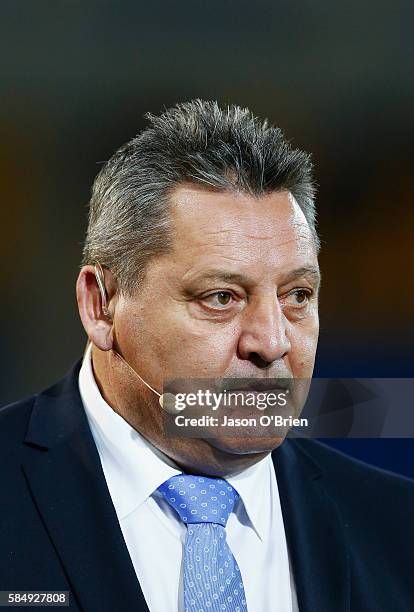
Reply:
x=349 y=526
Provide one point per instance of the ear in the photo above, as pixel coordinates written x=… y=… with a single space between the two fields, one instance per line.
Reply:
x=98 y=326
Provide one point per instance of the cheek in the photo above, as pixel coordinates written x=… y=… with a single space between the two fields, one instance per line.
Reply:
x=193 y=352
x=202 y=355
x=304 y=342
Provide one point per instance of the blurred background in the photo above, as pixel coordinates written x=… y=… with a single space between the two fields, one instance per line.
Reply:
x=76 y=78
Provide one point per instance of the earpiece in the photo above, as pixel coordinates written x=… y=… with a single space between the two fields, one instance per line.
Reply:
x=166 y=400
x=100 y=279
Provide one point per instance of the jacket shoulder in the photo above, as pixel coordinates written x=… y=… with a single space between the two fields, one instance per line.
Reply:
x=15 y=417
x=350 y=476
x=14 y=420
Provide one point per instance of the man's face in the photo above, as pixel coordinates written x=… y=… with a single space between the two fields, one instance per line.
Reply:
x=236 y=297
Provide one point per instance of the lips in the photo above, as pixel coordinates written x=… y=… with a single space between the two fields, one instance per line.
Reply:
x=258 y=385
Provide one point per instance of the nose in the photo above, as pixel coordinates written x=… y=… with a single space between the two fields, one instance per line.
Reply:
x=263 y=337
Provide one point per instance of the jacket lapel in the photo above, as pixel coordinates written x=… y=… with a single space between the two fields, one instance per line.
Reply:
x=68 y=485
x=314 y=531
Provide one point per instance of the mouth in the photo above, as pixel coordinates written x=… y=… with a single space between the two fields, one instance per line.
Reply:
x=273 y=385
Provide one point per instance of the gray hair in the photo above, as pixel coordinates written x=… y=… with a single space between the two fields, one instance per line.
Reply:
x=224 y=148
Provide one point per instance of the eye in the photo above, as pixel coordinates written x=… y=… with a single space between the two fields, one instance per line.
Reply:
x=302 y=296
x=297 y=298
x=219 y=299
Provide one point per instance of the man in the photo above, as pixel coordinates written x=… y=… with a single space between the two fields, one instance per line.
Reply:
x=200 y=261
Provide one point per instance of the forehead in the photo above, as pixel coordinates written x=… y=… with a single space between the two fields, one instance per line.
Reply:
x=261 y=232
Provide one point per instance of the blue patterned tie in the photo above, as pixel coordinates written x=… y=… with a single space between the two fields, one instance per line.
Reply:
x=212 y=578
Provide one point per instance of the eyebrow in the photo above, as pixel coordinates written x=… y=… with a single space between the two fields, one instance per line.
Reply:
x=311 y=272
x=217 y=274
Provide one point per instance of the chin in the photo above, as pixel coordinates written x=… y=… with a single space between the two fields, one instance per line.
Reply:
x=243 y=445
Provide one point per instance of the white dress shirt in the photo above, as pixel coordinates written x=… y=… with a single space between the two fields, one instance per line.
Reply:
x=153 y=531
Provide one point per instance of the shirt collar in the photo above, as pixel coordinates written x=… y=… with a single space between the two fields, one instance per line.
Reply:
x=254 y=485
x=134 y=468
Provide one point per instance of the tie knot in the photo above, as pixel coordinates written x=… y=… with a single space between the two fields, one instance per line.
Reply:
x=199 y=499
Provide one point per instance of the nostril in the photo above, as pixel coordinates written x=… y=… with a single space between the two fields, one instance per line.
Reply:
x=259 y=361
